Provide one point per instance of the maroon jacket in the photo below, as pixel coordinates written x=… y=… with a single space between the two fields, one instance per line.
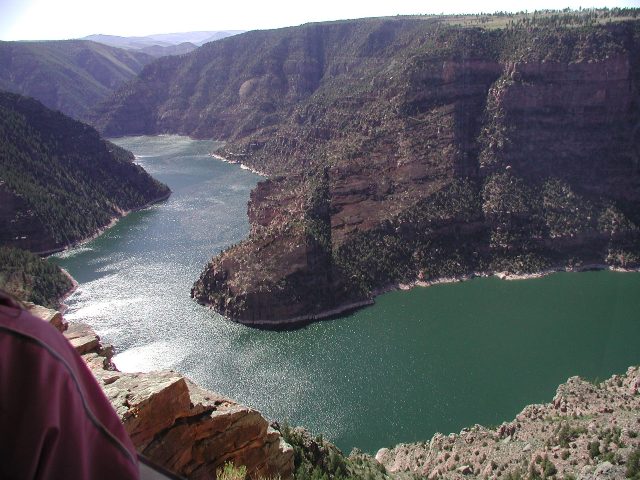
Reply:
x=55 y=421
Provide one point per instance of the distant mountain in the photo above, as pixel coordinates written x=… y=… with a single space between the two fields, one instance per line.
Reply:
x=197 y=38
x=60 y=182
x=163 y=44
x=219 y=35
x=158 y=51
x=128 y=43
x=70 y=75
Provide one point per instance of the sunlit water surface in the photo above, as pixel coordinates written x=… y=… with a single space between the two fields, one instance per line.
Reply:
x=417 y=362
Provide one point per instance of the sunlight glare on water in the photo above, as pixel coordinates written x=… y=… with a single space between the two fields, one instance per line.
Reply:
x=417 y=362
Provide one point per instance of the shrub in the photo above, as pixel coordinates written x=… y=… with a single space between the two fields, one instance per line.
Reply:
x=633 y=465
x=231 y=472
x=594 y=449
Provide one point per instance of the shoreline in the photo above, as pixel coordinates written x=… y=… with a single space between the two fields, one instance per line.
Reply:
x=237 y=162
x=62 y=307
x=104 y=228
x=509 y=277
x=303 y=320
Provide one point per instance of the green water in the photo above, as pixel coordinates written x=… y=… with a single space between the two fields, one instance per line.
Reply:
x=417 y=362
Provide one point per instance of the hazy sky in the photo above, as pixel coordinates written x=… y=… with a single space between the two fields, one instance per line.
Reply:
x=57 y=19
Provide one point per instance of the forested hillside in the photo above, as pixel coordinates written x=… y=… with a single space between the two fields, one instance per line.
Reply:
x=60 y=182
x=31 y=278
x=72 y=76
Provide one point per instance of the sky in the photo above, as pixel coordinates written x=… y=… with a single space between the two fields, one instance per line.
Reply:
x=61 y=19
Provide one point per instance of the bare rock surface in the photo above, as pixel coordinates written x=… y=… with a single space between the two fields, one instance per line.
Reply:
x=48 y=315
x=181 y=426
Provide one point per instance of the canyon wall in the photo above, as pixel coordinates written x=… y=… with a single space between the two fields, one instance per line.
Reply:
x=407 y=149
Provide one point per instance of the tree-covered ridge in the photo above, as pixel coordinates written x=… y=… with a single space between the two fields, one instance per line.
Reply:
x=31 y=278
x=59 y=181
x=68 y=75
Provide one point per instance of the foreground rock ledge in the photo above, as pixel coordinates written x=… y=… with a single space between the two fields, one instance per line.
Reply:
x=184 y=428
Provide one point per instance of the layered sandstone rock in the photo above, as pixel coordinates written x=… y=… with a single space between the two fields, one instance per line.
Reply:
x=48 y=315
x=444 y=152
x=184 y=428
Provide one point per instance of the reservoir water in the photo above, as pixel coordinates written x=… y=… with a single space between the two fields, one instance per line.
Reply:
x=417 y=362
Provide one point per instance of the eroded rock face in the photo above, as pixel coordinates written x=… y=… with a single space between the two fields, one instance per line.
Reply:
x=48 y=315
x=186 y=429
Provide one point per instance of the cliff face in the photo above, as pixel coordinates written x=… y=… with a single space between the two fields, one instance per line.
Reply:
x=405 y=149
x=180 y=426
x=60 y=182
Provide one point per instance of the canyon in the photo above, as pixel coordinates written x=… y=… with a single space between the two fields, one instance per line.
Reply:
x=404 y=149
x=588 y=431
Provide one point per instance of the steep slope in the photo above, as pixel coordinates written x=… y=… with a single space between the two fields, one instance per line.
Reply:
x=588 y=431
x=59 y=181
x=71 y=75
x=408 y=148
x=31 y=278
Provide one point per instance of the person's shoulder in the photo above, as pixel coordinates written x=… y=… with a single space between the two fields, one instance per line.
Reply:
x=21 y=325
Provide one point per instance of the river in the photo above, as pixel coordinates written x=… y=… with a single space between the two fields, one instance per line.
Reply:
x=430 y=359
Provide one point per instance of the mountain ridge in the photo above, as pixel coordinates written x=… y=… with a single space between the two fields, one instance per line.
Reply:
x=67 y=75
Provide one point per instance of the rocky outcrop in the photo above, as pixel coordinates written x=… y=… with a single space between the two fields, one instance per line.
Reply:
x=49 y=315
x=180 y=426
x=407 y=148
x=588 y=431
